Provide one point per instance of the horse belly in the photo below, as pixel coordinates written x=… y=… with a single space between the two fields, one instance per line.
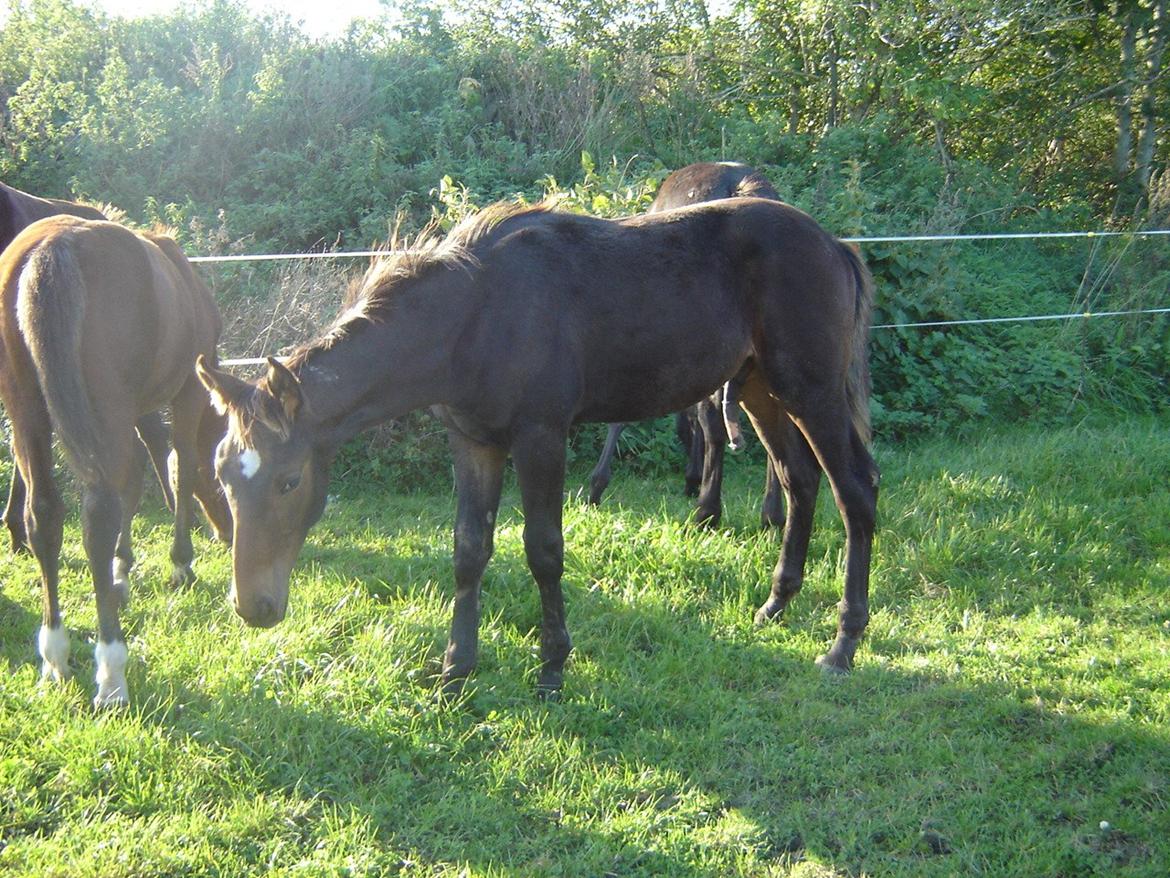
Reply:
x=651 y=377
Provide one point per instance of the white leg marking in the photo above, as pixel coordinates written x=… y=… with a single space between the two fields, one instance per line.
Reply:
x=111 y=674
x=53 y=644
x=122 y=581
x=735 y=439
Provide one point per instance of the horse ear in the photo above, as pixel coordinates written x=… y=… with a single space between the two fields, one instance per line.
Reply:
x=285 y=387
x=226 y=390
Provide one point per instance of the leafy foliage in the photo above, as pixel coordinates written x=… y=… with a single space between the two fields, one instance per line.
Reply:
x=878 y=119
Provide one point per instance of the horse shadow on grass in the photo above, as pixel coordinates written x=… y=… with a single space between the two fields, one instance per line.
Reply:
x=686 y=743
x=710 y=749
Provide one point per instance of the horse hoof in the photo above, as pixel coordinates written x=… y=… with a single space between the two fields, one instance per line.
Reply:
x=113 y=699
x=52 y=674
x=767 y=522
x=548 y=687
x=706 y=519
x=182 y=577
x=451 y=686
x=769 y=612
x=548 y=694
x=833 y=667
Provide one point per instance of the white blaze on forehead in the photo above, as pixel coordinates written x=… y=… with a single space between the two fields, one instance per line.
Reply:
x=249 y=462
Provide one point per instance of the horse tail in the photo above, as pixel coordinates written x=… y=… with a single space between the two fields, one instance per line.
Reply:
x=50 y=310
x=858 y=382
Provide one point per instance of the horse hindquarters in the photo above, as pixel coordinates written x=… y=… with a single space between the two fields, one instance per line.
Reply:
x=826 y=431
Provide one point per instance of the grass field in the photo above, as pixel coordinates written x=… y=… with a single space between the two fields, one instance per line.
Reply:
x=1009 y=715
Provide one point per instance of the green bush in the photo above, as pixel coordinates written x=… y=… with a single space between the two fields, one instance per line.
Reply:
x=248 y=136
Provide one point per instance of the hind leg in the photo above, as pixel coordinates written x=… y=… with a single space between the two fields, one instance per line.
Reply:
x=689 y=433
x=186 y=411
x=826 y=424
x=101 y=521
x=854 y=477
x=796 y=471
x=539 y=456
x=772 y=506
x=44 y=517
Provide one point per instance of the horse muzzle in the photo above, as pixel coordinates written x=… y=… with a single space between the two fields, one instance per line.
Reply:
x=258 y=611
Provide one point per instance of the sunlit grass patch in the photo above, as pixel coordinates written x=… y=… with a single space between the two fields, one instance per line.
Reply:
x=1008 y=714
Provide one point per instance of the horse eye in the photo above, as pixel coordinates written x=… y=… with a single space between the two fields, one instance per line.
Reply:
x=289 y=484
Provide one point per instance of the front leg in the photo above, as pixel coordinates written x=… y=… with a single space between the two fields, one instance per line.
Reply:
x=14 y=512
x=539 y=456
x=155 y=438
x=599 y=479
x=479 y=472
x=183 y=466
x=709 y=508
x=130 y=493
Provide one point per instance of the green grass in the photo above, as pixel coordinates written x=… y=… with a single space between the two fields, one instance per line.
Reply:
x=1012 y=693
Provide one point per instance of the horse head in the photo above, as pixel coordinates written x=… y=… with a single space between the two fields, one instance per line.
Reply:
x=275 y=479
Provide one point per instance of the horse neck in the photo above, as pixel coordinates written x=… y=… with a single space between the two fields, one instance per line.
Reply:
x=376 y=372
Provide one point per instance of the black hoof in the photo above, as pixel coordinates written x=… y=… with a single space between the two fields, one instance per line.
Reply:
x=833 y=667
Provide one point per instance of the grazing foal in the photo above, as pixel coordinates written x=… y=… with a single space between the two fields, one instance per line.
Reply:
x=523 y=322
x=100 y=326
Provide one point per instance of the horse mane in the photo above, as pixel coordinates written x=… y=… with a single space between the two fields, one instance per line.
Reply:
x=411 y=259
x=408 y=260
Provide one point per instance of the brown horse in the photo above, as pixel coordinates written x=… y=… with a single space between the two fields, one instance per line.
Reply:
x=712 y=424
x=17 y=210
x=523 y=322
x=100 y=326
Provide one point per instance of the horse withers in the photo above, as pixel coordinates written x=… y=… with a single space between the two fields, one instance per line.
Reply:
x=712 y=424
x=17 y=210
x=99 y=327
x=523 y=322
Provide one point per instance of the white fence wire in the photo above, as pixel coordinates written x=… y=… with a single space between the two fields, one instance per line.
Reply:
x=893 y=239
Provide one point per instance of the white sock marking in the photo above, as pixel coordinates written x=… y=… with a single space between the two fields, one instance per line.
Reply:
x=111 y=674
x=53 y=644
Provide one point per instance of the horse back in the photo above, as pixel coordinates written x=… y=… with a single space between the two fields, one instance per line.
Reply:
x=709 y=181
x=648 y=314
x=18 y=209
x=144 y=320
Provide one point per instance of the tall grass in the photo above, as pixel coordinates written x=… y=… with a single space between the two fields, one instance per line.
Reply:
x=1009 y=714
